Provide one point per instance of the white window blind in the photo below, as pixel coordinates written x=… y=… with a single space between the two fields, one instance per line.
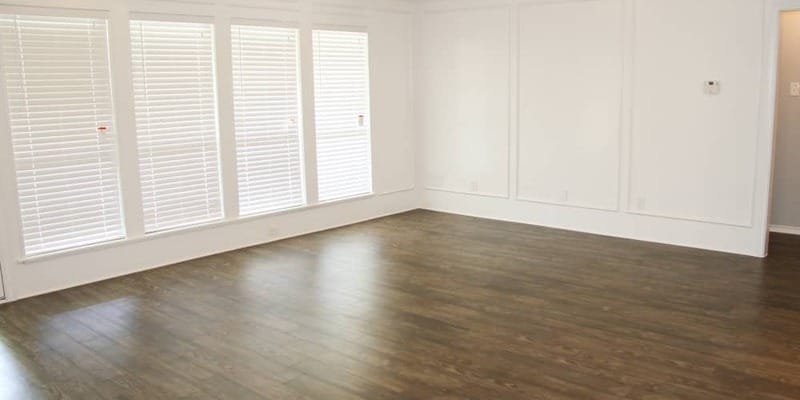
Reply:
x=56 y=73
x=176 y=123
x=341 y=92
x=267 y=118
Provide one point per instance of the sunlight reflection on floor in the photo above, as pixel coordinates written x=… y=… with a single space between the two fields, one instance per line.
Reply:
x=13 y=375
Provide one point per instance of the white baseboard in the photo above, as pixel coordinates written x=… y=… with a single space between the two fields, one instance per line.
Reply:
x=791 y=230
x=687 y=233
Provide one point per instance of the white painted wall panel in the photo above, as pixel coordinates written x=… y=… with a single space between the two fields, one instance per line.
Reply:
x=390 y=81
x=570 y=94
x=463 y=101
x=692 y=169
x=694 y=155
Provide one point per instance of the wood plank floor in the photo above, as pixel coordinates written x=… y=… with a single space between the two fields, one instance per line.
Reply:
x=421 y=306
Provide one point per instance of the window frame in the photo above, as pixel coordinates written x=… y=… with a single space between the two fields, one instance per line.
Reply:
x=301 y=114
x=191 y=19
x=9 y=174
x=118 y=19
x=368 y=101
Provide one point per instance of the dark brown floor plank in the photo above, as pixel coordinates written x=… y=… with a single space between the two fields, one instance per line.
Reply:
x=422 y=305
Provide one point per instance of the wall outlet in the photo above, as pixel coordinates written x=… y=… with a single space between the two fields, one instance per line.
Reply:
x=794 y=89
x=711 y=87
x=565 y=196
x=641 y=203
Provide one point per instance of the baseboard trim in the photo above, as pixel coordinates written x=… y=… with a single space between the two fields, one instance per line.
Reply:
x=695 y=234
x=790 y=230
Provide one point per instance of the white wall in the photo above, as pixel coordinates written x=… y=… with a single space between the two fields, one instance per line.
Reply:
x=579 y=114
x=389 y=23
x=609 y=130
x=786 y=186
x=391 y=94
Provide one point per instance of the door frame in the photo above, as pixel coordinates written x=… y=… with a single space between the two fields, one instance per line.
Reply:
x=765 y=168
x=3 y=296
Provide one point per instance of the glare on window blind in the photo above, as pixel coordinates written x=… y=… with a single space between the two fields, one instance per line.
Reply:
x=56 y=72
x=267 y=118
x=341 y=98
x=176 y=123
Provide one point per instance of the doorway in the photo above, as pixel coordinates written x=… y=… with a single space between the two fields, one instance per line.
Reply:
x=785 y=200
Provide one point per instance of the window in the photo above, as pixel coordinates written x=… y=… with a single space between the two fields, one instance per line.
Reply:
x=341 y=90
x=267 y=118
x=176 y=123
x=56 y=73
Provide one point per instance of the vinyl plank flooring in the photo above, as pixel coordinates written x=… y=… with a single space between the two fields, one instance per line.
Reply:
x=421 y=305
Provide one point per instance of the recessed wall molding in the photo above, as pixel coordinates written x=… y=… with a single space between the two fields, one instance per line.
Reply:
x=465 y=112
x=583 y=71
x=649 y=86
x=731 y=180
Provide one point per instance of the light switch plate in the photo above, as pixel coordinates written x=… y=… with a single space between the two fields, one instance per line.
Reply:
x=794 y=89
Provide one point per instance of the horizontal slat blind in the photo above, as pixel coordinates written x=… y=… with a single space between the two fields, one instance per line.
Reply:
x=267 y=115
x=341 y=92
x=176 y=123
x=56 y=74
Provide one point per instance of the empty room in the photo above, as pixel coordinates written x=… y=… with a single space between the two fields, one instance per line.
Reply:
x=400 y=199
